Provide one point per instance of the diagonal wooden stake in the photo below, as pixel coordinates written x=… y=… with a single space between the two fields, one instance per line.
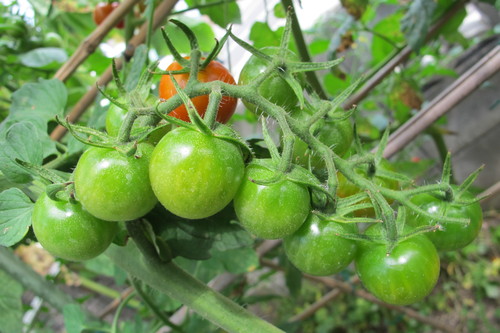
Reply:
x=161 y=12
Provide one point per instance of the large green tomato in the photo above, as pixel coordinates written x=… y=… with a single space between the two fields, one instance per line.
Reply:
x=195 y=175
x=274 y=88
x=405 y=276
x=454 y=236
x=68 y=231
x=273 y=211
x=114 y=187
x=317 y=249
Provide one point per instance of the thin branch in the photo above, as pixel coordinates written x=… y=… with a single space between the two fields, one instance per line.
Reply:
x=161 y=13
x=88 y=46
x=348 y=288
x=399 y=58
x=461 y=88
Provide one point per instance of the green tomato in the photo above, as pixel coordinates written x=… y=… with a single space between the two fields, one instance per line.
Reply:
x=68 y=231
x=454 y=236
x=317 y=249
x=405 y=276
x=335 y=133
x=346 y=188
x=114 y=119
x=195 y=175
x=114 y=187
x=272 y=211
x=274 y=88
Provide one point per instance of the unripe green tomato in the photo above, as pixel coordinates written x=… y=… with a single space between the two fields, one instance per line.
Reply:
x=317 y=249
x=52 y=39
x=405 y=276
x=270 y=211
x=195 y=175
x=346 y=188
x=68 y=231
x=335 y=133
x=114 y=187
x=455 y=235
x=274 y=88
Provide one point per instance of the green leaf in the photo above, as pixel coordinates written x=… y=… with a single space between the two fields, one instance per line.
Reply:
x=11 y=311
x=222 y=14
x=22 y=141
x=417 y=21
x=49 y=58
x=195 y=239
x=15 y=216
x=293 y=279
x=37 y=103
x=318 y=46
x=262 y=35
x=202 y=31
x=390 y=28
x=74 y=318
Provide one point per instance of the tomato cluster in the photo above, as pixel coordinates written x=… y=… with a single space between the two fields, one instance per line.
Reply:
x=195 y=172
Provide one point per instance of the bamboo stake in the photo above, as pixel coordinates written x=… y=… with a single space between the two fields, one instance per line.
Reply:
x=89 y=44
x=461 y=88
x=161 y=12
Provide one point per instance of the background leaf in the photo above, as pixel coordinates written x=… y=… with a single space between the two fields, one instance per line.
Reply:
x=15 y=216
x=417 y=21
x=11 y=311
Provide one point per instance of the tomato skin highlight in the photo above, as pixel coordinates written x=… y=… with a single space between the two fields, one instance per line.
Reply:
x=317 y=249
x=102 y=10
x=454 y=236
x=405 y=276
x=68 y=231
x=214 y=71
x=274 y=88
x=195 y=175
x=272 y=211
x=114 y=187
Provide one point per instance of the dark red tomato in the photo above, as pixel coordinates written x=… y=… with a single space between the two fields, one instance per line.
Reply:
x=270 y=211
x=215 y=71
x=317 y=249
x=346 y=188
x=68 y=231
x=103 y=9
x=405 y=276
x=454 y=236
x=195 y=175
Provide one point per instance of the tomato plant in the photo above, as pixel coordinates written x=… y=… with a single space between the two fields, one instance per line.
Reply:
x=405 y=275
x=195 y=175
x=317 y=249
x=335 y=133
x=103 y=9
x=114 y=187
x=274 y=88
x=68 y=231
x=270 y=211
x=454 y=236
x=212 y=72
x=346 y=188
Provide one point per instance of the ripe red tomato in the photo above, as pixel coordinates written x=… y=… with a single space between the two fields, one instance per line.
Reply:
x=213 y=72
x=103 y=9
